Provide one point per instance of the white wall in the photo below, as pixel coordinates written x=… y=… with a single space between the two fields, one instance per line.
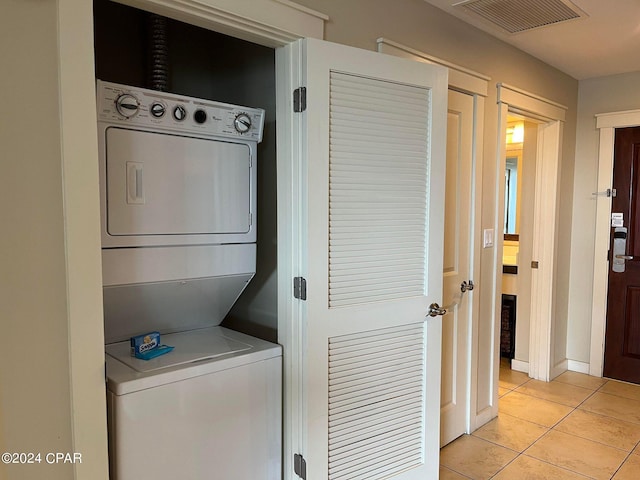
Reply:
x=596 y=95
x=52 y=396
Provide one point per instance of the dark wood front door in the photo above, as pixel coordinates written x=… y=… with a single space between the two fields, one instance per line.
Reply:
x=622 y=340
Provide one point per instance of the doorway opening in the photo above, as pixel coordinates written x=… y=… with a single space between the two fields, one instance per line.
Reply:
x=547 y=335
x=517 y=250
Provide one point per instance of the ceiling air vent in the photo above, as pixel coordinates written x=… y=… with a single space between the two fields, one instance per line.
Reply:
x=517 y=16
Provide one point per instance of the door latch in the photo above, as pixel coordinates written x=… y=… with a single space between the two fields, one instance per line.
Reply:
x=609 y=192
x=466 y=287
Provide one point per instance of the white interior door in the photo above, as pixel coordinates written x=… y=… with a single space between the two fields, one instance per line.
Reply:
x=457 y=268
x=362 y=378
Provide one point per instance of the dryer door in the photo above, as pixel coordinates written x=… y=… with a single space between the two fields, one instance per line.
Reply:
x=160 y=184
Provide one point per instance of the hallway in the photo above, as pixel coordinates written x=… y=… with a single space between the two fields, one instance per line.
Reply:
x=576 y=427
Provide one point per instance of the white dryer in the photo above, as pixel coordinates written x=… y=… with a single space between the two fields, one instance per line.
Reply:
x=210 y=409
x=178 y=216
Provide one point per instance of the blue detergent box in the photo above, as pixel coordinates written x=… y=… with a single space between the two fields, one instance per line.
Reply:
x=144 y=343
x=147 y=346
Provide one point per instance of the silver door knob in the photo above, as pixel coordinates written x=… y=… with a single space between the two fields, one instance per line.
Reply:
x=435 y=310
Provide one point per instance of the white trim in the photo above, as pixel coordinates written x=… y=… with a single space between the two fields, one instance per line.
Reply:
x=496 y=255
x=511 y=99
x=559 y=368
x=78 y=142
x=628 y=118
x=541 y=341
x=520 y=366
x=290 y=235
x=607 y=123
x=473 y=417
x=575 y=366
x=273 y=23
x=531 y=104
x=460 y=78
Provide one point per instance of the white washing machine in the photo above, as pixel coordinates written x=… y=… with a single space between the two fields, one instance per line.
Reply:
x=178 y=216
x=211 y=409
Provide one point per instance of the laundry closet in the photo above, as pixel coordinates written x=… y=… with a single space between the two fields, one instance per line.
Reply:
x=208 y=65
x=186 y=135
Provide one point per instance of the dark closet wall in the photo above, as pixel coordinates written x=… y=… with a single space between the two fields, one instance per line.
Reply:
x=208 y=65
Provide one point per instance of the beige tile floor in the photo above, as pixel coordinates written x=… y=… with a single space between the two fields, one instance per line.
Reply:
x=576 y=427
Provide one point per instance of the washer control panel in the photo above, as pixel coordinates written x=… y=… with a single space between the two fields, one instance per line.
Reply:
x=149 y=108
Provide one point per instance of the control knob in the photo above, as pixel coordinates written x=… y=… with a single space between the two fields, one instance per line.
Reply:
x=127 y=105
x=179 y=113
x=242 y=123
x=157 y=110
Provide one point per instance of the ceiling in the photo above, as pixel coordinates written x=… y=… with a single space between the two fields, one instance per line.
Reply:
x=604 y=42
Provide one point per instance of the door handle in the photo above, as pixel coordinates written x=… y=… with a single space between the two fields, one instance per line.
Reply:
x=619 y=250
x=435 y=310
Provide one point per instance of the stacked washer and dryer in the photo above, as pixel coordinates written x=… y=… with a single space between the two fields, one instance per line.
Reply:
x=178 y=215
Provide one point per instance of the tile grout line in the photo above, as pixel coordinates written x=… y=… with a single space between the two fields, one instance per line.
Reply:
x=549 y=429
x=560 y=467
x=559 y=403
x=622 y=464
x=553 y=427
x=577 y=436
x=455 y=471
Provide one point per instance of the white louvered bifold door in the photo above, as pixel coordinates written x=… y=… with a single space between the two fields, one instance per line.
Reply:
x=363 y=363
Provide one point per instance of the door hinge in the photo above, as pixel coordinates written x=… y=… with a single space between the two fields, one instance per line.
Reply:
x=300 y=288
x=300 y=466
x=300 y=99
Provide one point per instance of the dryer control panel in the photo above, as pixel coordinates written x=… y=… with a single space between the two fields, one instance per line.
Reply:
x=166 y=111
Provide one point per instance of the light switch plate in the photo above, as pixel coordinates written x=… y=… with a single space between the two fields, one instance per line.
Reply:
x=488 y=238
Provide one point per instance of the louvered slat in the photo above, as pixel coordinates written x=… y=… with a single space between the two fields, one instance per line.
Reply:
x=376 y=402
x=377 y=190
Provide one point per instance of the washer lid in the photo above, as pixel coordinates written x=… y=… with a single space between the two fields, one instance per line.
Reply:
x=189 y=347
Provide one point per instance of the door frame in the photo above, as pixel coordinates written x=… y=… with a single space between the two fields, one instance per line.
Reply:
x=542 y=365
x=475 y=84
x=606 y=123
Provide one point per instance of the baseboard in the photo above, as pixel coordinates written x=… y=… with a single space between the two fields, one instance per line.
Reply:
x=580 y=367
x=519 y=366
x=559 y=368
